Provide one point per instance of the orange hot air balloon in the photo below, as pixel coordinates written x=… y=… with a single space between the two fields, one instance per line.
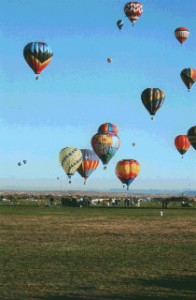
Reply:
x=127 y=170
x=182 y=143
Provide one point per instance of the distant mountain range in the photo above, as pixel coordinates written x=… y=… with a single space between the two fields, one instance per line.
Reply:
x=156 y=192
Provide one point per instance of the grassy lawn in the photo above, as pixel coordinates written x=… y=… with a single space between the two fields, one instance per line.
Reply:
x=97 y=253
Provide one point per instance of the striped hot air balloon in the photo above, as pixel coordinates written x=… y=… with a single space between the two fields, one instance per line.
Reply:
x=90 y=162
x=133 y=10
x=70 y=159
x=181 y=33
x=182 y=143
x=37 y=55
x=188 y=76
x=127 y=170
x=108 y=127
x=192 y=136
x=152 y=99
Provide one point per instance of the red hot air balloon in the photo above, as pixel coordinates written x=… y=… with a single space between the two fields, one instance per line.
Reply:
x=182 y=143
x=181 y=33
x=133 y=10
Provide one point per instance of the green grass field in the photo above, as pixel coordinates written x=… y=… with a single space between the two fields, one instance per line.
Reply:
x=97 y=253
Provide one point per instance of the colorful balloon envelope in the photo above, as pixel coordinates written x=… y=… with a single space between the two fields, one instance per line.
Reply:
x=133 y=10
x=90 y=162
x=192 y=136
x=188 y=76
x=70 y=159
x=108 y=127
x=181 y=33
x=105 y=146
x=127 y=170
x=120 y=24
x=37 y=55
x=182 y=143
x=152 y=99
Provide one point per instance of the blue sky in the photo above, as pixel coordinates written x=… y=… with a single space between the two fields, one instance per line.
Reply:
x=80 y=90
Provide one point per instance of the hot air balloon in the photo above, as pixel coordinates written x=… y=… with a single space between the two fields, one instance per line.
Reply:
x=70 y=159
x=19 y=163
x=105 y=146
x=108 y=127
x=152 y=99
x=192 y=136
x=109 y=59
x=133 y=144
x=181 y=33
x=133 y=10
x=37 y=55
x=89 y=163
x=24 y=161
x=188 y=77
x=120 y=24
x=127 y=170
x=182 y=143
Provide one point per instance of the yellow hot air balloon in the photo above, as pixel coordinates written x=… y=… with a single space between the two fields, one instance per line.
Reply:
x=70 y=159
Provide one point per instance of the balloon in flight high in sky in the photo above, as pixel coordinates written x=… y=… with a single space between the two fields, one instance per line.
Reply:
x=133 y=11
x=192 y=136
x=181 y=33
x=182 y=143
x=127 y=170
x=120 y=24
x=37 y=55
x=188 y=76
x=70 y=159
x=90 y=162
x=152 y=99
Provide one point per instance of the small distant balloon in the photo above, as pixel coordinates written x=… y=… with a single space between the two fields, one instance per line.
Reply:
x=109 y=59
x=181 y=34
x=120 y=24
x=24 y=161
x=19 y=163
x=133 y=144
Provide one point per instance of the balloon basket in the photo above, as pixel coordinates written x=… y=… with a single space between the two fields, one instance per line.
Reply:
x=36 y=78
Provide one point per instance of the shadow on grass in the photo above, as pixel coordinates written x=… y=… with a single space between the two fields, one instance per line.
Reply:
x=180 y=288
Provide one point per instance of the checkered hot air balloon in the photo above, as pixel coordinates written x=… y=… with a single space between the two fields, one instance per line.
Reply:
x=192 y=136
x=90 y=162
x=181 y=33
x=127 y=170
x=188 y=76
x=152 y=99
x=182 y=143
x=37 y=55
x=70 y=159
x=133 y=10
